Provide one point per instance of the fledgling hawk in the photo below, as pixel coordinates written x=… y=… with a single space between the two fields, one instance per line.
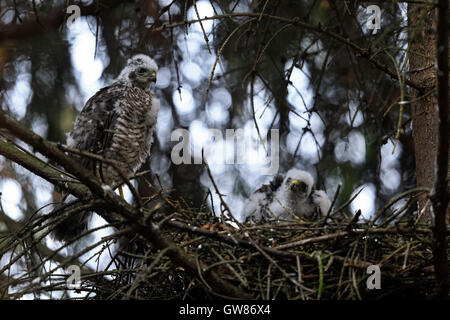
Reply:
x=285 y=197
x=116 y=123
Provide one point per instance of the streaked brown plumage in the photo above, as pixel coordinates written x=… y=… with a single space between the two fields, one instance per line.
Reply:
x=116 y=123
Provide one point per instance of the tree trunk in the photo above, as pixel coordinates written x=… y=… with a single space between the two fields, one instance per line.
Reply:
x=422 y=50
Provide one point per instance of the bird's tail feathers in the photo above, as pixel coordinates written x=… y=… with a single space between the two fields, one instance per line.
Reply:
x=74 y=224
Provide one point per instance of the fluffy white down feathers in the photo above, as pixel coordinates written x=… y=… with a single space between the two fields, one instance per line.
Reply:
x=286 y=197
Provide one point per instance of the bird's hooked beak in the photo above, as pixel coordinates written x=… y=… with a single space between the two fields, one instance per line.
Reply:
x=149 y=76
x=153 y=77
x=297 y=185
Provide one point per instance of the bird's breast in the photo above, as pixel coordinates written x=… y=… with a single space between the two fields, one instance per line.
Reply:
x=133 y=133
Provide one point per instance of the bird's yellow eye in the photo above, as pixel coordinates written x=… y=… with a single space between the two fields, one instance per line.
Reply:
x=295 y=182
x=153 y=74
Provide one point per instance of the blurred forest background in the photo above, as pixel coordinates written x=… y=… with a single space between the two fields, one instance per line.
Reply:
x=312 y=69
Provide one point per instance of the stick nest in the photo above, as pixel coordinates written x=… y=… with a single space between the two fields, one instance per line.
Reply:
x=328 y=258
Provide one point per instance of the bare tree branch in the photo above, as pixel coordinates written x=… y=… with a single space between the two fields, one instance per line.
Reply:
x=107 y=202
x=51 y=21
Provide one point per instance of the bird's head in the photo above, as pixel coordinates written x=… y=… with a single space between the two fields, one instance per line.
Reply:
x=299 y=183
x=140 y=72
